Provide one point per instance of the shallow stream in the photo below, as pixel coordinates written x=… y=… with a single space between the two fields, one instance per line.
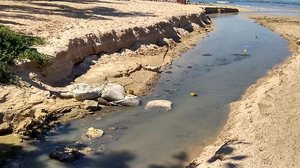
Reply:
x=219 y=69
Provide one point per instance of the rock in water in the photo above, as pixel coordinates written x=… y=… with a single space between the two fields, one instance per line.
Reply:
x=130 y=100
x=113 y=92
x=94 y=133
x=5 y=128
x=91 y=105
x=65 y=154
x=84 y=91
x=166 y=104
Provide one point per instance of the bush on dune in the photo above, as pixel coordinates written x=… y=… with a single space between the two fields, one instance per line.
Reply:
x=14 y=45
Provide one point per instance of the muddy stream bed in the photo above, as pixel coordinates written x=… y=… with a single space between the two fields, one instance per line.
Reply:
x=219 y=69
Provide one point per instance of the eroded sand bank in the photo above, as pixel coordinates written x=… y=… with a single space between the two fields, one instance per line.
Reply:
x=263 y=126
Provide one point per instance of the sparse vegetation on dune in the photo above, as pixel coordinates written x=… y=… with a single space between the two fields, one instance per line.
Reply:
x=15 y=45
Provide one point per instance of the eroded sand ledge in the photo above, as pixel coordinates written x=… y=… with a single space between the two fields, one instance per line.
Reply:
x=263 y=126
x=115 y=41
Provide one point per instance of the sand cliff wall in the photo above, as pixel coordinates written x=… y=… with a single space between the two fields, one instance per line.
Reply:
x=114 y=41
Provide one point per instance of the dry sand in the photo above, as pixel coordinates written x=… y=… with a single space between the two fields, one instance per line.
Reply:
x=263 y=126
x=61 y=20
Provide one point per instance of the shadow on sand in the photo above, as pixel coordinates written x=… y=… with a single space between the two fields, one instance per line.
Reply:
x=51 y=8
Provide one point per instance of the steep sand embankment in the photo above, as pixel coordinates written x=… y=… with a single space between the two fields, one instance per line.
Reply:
x=77 y=29
x=263 y=126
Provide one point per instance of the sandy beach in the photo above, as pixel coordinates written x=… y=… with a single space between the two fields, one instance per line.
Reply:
x=262 y=128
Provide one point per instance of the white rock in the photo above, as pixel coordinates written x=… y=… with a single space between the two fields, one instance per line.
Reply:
x=113 y=92
x=130 y=100
x=166 y=104
x=84 y=91
x=94 y=133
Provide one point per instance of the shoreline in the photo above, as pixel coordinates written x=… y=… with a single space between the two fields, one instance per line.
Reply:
x=264 y=120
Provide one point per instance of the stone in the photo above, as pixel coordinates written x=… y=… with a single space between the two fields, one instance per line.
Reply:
x=113 y=92
x=298 y=42
x=152 y=68
x=91 y=105
x=166 y=104
x=102 y=101
x=84 y=91
x=130 y=100
x=66 y=154
x=94 y=133
x=5 y=128
x=193 y=94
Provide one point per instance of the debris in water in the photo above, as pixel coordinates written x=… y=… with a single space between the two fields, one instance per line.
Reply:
x=207 y=55
x=193 y=94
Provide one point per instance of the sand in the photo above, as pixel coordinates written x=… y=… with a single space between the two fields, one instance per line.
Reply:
x=60 y=21
x=263 y=126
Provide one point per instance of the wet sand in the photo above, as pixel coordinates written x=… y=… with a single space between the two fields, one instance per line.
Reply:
x=263 y=126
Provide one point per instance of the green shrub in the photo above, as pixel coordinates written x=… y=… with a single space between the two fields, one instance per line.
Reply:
x=5 y=74
x=14 y=45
